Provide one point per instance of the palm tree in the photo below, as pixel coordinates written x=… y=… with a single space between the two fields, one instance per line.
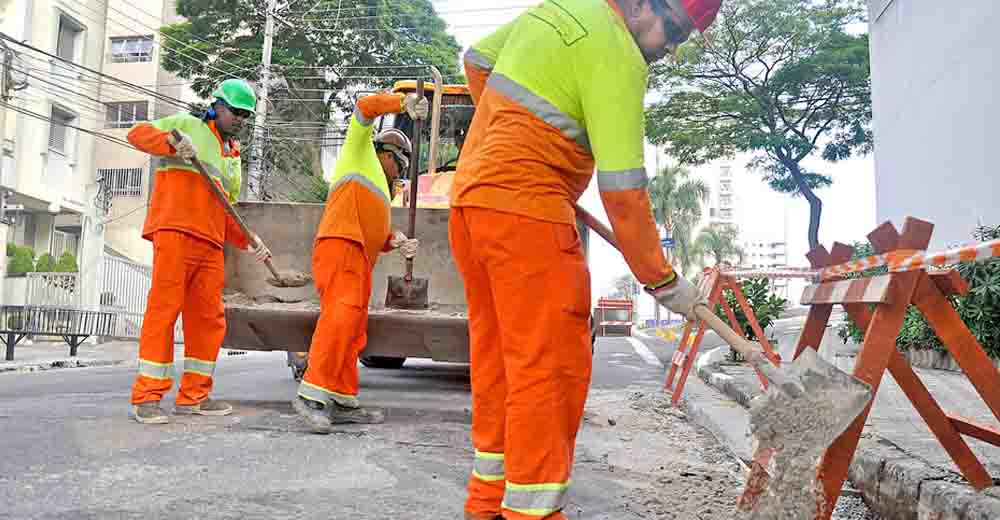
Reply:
x=677 y=206
x=720 y=242
x=677 y=202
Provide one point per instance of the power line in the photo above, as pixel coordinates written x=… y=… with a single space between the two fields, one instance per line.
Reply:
x=146 y=91
x=74 y=127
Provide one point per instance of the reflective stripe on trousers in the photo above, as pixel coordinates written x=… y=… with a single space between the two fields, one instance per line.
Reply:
x=198 y=366
x=324 y=396
x=156 y=370
x=488 y=466
x=536 y=499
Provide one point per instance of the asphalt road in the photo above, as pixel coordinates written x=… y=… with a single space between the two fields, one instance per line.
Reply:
x=68 y=449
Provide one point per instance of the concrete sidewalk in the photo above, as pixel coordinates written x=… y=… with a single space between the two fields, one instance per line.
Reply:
x=49 y=355
x=900 y=467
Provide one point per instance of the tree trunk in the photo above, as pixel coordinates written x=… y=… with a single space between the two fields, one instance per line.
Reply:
x=815 y=205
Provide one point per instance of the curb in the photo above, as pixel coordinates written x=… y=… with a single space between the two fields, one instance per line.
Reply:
x=60 y=364
x=894 y=485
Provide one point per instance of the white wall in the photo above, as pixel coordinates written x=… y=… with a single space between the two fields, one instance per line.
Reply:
x=934 y=74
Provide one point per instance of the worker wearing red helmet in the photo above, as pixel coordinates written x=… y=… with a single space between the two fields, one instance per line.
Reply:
x=559 y=92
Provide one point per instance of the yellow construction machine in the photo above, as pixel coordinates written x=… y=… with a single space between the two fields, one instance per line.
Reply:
x=440 y=333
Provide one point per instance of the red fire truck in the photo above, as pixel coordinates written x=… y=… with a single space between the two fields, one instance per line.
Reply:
x=613 y=317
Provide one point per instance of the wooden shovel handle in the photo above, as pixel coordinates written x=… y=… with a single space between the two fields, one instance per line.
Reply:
x=221 y=196
x=720 y=327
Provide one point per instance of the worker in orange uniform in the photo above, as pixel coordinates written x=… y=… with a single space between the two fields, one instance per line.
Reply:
x=188 y=226
x=559 y=92
x=355 y=228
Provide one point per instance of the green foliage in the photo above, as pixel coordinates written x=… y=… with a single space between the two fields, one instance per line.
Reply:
x=45 y=264
x=67 y=263
x=782 y=81
x=11 y=248
x=677 y=201
x=719 y=242
x=22 y=262
x=980 y=309
x=766 y=306
x=342 y=47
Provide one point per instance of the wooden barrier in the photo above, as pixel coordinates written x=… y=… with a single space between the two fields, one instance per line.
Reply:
x=890 y=296
x=713 y=284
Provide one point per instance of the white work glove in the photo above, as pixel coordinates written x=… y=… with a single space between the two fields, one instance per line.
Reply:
x=185 y=146
x=680 y=296
x=259 y=250
x=416 y=106
x=407 y=246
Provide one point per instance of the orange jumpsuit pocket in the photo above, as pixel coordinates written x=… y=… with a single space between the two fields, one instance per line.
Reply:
x=574 y=265
x=352 y=291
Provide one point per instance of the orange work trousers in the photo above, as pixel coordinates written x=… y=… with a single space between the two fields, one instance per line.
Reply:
x=344 y=280
x=528 y=291
x=188 y=276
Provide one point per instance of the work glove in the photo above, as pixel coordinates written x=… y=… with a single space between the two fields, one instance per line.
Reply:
x=184 y=146
x=680 y=296
x=416 y=106
x=407 y=246
x=259 y=250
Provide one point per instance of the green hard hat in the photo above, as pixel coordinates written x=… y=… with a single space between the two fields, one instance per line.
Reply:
x=237 y=94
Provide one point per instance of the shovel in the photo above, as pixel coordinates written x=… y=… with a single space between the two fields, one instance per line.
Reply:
x=407 y=292
x=283 y=279
x=809 y=403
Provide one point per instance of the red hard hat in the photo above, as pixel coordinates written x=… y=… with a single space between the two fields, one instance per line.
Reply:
x=702 y=12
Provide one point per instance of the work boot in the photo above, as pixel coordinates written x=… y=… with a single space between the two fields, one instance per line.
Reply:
x=149 y=413
x=343 y=414
x=206 y=407
x=314 y=413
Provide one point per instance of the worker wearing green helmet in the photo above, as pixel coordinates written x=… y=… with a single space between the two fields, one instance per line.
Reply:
x=188 y=227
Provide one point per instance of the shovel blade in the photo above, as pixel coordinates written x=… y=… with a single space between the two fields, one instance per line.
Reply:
x=407 y=294
x=810 y=398
x=290 y=279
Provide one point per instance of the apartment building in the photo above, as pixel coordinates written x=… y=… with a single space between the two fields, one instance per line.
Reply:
x=134 y=56
x=48 y=168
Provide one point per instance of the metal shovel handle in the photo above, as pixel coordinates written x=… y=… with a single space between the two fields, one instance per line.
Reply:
x=221 y=196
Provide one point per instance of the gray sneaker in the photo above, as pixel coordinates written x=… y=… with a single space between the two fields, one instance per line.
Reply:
x=149 y=413
x=314 y=413
x=342 y=414
x=206 y=407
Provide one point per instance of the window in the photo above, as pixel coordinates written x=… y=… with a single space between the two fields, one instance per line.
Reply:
x=726 y=186
x=121 y=182
x=726 y=172
x=726 y=200
x=126 y=114
x=131 y=49
x=59 y=131
x=726 y=213
x=68 y=39
x=62 y=243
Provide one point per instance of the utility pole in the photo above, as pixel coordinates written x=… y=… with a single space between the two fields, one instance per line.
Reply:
x=257 y=164
x=6 y=85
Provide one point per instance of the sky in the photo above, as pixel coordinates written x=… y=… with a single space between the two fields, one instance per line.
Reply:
x=849 y=205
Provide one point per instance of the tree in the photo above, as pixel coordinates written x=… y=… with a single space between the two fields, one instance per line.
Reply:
x=677 y=206
x=720 y=242
x=324 y=53
x=624 y=287
x=782 y=79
